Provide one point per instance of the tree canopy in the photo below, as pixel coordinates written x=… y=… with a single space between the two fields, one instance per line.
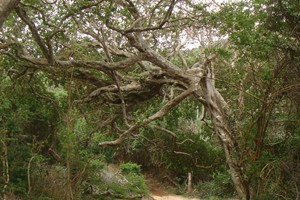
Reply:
x=88 y=75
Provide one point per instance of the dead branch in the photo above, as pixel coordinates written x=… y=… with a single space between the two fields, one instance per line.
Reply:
x=184 y=141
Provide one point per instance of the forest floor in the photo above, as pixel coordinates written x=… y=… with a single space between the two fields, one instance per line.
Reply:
x=158 y=190
x=161 y=192
x=172 y=197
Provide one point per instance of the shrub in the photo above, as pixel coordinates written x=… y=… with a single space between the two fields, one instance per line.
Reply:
x=126 y=182
x=130 y=168
x=221 y=185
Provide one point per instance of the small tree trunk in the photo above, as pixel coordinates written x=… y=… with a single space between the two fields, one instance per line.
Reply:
x=5 y=170
x=28 y=177
x=189 y=186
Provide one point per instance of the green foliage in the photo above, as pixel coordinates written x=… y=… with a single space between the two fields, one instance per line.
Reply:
x=44 y=105
x=219 y=186
x=194 y=142
x=48 y=181
x=126 y=181
x=131 y=168
x=26 y=123
x=135 y=185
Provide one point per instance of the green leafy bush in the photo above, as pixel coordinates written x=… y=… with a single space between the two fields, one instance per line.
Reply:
x=220 y=186
x=134 y=185
x=130 y=168
x=127 y=181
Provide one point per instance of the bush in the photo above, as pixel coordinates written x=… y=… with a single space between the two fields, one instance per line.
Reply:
x=127 y=183
x=135 y=185
x=130 y=168
x=221 y=185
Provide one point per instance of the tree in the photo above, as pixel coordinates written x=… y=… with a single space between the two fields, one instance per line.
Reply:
x=134 y=65
x=266 y=52
x=125 y=53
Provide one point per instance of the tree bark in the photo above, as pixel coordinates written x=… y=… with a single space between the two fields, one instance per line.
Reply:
x=6 y=6
x=215 y=107
x=189 y=186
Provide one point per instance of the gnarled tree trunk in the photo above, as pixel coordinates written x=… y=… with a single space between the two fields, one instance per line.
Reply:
x=215 y=107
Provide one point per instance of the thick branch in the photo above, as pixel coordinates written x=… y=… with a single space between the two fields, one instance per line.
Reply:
x=102 y=66
x=6 y=6
x=153 y=117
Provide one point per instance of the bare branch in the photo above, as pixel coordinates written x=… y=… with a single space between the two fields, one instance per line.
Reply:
x=183 y=153
x=153 y=11
x=160 y=25
x=184 y=141
x=165 y=130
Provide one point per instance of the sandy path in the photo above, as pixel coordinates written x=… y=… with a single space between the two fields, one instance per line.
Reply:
x=172 y=197
x=159 y=192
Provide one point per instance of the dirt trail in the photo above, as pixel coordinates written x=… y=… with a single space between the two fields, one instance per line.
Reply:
x=158 y=191
x=172 y=197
